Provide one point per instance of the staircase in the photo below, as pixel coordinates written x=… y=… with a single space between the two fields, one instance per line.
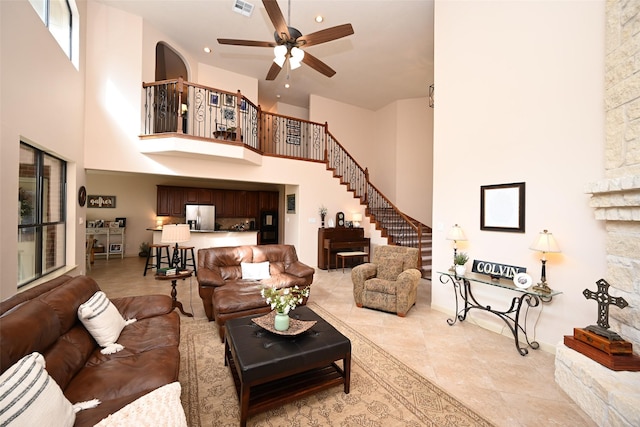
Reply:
x=282 y=136
x=398 y=228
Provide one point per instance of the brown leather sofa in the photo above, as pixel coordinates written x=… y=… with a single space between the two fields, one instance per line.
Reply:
x=226 y=295
x=44 y=319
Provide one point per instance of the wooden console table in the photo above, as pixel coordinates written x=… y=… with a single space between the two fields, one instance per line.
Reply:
x=511 y=316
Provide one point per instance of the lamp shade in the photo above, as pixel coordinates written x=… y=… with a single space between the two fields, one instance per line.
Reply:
x=456 y=233
x=357 y=217
x=545 y=242
x=175 y=233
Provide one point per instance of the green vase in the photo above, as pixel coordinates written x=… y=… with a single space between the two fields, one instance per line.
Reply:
x=281 y=322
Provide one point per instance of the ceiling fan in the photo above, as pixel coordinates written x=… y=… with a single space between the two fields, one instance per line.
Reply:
x=289 y=41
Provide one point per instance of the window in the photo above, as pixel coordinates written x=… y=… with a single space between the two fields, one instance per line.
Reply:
x=58 y=18
x=41 y=220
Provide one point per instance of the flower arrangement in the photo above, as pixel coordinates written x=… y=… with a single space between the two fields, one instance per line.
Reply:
x=322 y=211
x=284 y=300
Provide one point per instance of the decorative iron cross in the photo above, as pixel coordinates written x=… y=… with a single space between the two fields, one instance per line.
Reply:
x=604 y=301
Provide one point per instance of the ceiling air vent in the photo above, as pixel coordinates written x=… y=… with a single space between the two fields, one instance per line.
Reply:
x=243 y=7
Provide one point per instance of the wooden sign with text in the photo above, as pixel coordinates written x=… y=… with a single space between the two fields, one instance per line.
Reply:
x=494 y=269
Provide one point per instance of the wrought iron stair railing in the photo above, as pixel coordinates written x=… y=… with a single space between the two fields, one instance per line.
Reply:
x=194 y=111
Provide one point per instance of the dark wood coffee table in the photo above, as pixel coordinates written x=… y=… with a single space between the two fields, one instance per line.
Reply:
x=270 y=370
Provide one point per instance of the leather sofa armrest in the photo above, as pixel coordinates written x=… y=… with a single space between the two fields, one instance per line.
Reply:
x=207 y=277
x=143 y=306
x=299 y=269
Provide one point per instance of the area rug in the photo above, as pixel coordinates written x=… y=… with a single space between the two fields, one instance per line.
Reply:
x=384 y=391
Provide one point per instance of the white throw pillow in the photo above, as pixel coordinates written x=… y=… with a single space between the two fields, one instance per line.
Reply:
x=30 y=397
x=159 y=408
x=255 y=270
x=103 y=321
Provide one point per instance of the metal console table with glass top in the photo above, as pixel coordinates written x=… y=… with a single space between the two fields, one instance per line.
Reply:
x=511 y=316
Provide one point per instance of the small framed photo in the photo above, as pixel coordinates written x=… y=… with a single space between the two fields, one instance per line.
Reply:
x=114 y=224
x=229 y=100
x=99 y=223
x=229 y=114
x=91 y=224
x=221 y=128
x=122 y=222
x=115 y=248
x=243 y=105
x=214 y=99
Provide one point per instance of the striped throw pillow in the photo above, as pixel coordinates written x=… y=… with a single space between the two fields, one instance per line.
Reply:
x=30 y=397
x=103 y=321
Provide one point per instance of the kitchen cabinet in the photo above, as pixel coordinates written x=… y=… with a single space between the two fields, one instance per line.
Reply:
x=229 y=203
x=176 y=202
x=268 y=200
x=246 y=204
x=162 y=201
x=205 y=196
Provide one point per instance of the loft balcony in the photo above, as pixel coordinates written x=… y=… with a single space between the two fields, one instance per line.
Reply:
x=190 y=120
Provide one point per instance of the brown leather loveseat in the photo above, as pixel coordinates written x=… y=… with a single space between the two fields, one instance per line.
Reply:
x=226 y=294
x=45 y=319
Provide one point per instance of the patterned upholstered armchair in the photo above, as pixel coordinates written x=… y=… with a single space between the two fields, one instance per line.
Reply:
x=389 y=282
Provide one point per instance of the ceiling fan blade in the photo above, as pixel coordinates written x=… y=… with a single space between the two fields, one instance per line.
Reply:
x=317 y=65
x=246 y=43
x=277 y=18
x=326 y=35
x=273 y=71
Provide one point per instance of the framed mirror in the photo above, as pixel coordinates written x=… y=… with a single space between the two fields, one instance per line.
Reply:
x=502 y=207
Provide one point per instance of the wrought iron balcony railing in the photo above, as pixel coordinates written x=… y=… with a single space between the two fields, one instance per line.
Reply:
x=196 y=111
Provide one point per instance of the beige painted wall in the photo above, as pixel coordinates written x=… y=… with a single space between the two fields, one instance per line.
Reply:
x=520 y=98
x=46 y=112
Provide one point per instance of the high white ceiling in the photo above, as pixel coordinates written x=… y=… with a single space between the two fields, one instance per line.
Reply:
x=389 y=57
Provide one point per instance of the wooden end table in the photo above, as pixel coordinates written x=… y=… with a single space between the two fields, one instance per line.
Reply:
x=174 y=292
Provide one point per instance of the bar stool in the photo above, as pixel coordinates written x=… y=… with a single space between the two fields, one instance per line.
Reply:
x=184 y=261
x=159 y=257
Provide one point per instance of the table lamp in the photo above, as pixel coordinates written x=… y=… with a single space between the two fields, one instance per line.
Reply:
x=456 y=234
x=357 y=217
x=544 y=243
x=175 y=233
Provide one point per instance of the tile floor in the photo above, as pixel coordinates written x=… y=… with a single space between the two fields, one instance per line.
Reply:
x=479 y=367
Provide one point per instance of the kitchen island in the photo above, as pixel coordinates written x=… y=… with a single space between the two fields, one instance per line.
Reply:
x=201 y=239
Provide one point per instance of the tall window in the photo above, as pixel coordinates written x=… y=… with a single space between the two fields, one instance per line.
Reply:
x=41 y=224
x=57 y=16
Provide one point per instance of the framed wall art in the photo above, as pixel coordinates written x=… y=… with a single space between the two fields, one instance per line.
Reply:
x=291 y=203
x=502 y=207
x=101 y=201
x=214 y=99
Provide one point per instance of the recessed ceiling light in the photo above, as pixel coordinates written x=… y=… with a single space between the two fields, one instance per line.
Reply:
x=207 y=49
x=278 y=96
x=319 y=18
x=287 y=85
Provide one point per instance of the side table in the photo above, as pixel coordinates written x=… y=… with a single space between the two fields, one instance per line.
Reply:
x=174 y=292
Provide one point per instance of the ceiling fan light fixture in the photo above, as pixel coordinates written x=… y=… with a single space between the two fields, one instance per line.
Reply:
x=281 y=55
x=297 y=54
x=319 y=18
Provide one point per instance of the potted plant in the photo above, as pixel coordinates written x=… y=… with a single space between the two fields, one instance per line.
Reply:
x=460 y=260
x=144 y=250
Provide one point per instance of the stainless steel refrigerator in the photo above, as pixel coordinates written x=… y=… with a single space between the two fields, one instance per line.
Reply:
x=201 y=217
